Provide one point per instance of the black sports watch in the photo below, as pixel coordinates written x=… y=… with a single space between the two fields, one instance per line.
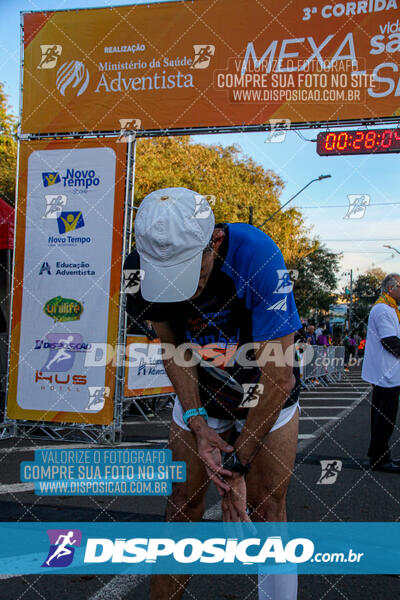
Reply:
x=232 y=463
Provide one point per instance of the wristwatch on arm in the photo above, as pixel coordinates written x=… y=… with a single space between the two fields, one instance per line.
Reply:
x=232 y=463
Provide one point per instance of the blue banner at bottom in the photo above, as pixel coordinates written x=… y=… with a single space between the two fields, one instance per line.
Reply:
x=200 y=548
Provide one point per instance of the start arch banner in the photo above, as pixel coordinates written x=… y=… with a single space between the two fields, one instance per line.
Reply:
x=224 y=63
x=66 y=287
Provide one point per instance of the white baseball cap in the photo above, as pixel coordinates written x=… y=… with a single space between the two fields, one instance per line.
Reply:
x=172 y=228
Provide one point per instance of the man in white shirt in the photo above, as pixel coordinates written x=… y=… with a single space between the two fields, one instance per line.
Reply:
x=381 y=367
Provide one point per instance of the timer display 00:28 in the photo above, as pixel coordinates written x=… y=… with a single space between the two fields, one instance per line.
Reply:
x=361 y=141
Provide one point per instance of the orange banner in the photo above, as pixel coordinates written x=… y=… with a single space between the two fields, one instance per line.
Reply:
x=210 y=63
x=66 y=286
x=144 y=372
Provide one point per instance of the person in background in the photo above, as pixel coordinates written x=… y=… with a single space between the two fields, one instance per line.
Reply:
x=323 y=338
x=319 y=331
x=357 y=339
x=381 y=367
x=311 y=339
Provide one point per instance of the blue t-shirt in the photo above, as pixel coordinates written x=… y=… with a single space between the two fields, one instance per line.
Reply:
x=248 y=298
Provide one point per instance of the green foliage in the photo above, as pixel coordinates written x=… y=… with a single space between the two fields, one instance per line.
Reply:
x=317 y=279
x=366 y=290
x=234 y=183
x=8 y=150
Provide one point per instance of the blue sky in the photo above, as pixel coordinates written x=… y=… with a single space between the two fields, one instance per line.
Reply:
x=323 y=204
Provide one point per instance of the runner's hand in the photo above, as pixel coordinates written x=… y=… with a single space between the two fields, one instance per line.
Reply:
x=234 y=502
x=210 y=445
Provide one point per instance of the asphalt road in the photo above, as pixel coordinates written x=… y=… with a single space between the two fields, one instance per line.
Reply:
x=334 y=425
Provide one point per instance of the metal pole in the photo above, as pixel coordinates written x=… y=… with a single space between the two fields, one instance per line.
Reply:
x=293 y=197
x=122 y=319
x=351 y=300
x=391 y=247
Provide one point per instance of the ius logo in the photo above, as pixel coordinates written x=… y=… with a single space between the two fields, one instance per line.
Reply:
x=72 y=73
x=62 y=547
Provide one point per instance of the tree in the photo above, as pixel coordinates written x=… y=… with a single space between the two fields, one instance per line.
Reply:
x=232 y=183
x=8 y=150
x=317 y=279
x=366 y=291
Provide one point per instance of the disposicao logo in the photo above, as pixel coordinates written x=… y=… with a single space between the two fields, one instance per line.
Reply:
x=61 y=551
x=72 y=73
x=63 y=309
x=50 y=178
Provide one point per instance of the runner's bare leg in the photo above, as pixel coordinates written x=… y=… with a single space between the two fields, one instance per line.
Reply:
x=267 y=485
x=186 y=503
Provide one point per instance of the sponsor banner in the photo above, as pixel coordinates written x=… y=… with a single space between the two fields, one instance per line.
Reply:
x=67 y=280
x=111 y=472
x=227 y=63
x=214 y=548
x=145 y=374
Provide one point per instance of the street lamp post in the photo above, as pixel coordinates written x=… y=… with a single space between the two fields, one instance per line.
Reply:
x=293 y=197
x=391 y=247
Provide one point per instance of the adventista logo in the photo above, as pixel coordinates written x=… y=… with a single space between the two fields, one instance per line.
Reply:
x=72 y=73
x=61 y=551
x=63 y=309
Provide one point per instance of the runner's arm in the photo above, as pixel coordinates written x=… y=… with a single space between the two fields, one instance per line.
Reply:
x=185 y=382
x=278 y=381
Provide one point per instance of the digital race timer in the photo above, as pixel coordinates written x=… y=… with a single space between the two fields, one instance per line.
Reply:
x=358 y=141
